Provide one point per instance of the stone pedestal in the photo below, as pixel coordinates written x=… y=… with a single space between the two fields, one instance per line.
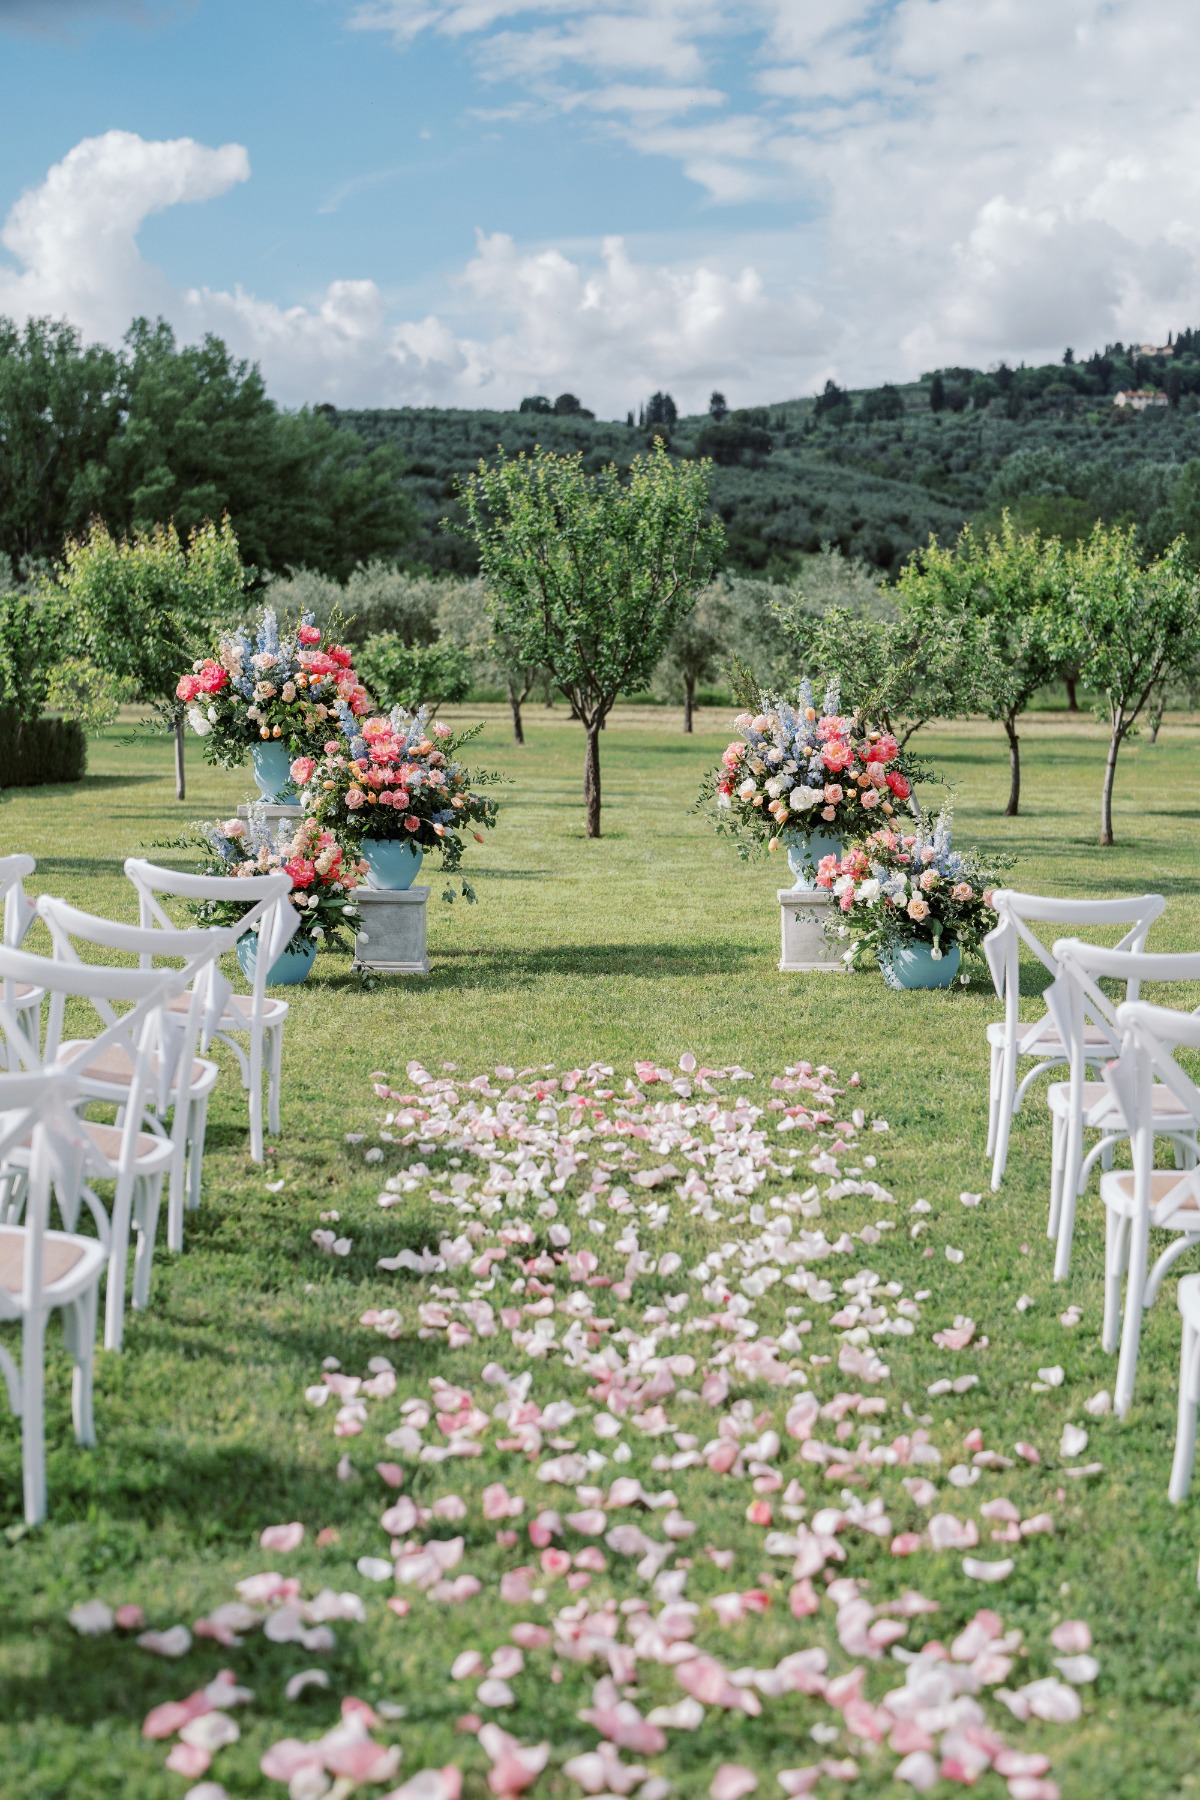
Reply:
x=803 y=912
x=392 y=937
x=273 y=811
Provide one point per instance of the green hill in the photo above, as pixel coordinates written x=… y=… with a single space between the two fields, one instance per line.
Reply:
x=873 y=471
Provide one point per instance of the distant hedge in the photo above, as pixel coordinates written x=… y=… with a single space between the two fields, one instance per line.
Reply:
x=35 y=751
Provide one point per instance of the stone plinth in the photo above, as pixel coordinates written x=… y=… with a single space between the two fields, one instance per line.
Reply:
x=392 y=937
x=803 y=912
x=273 y=811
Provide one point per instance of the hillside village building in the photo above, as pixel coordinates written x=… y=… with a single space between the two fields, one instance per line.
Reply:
x=1140 y=398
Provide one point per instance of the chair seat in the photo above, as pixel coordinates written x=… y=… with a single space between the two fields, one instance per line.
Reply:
x=239 y=1009
x=113 y=1068
x=25 y=990
x=153 y=1153
x=65 y=1258
x=1116 y=1191
x=1049 y=1043
x=1098 y=1099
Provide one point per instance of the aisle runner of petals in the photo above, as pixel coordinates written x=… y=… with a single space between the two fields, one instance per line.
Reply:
x=614 y=1241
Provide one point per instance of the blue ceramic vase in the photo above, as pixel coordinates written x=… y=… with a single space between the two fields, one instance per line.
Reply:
x=913 y=965
x=392 y=863
x=272 y=762
x=293 y=964
x=817 y=844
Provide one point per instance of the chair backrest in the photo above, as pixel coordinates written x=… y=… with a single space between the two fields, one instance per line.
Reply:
x=200 y=950
x=1151 y=1036
x=18 y=908
x=269 y=911
x=1017 y=914
x=137 y=1031
x=36 y=1108
x=1075 y=998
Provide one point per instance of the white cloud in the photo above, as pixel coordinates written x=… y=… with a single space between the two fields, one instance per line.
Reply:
x=517 y=320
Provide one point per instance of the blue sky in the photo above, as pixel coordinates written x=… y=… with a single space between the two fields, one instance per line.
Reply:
x=461 y=201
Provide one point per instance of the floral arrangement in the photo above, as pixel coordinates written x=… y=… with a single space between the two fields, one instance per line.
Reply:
x=395 y=775
x=796 y=770
x=897 y=887
x=260 y=686
x=324 y=875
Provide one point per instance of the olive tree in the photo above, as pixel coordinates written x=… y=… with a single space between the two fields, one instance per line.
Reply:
x=589 y=574
x=1004 y=589
x=138 y=606
x=1132 y=627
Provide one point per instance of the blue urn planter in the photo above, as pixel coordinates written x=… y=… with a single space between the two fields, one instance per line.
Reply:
x=392 y=863
x=817 y=844
x=914 y=966
x=272 y=762
x=293 y=964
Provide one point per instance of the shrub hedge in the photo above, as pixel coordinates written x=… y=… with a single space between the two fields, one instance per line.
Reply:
x=35 y=751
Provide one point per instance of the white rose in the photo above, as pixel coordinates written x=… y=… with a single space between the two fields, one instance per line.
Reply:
x=802 y=798
x=869 y=891
x=212 y=713
x=775 y=786
x=775 y=756
x=747 y=790
x=843 y=885
x=198 y=722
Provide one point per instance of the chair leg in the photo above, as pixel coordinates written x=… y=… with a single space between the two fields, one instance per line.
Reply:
x=176 y=1185
x=33 y=1437
x=1131 y=1333
x=1116 y=1245
x=1069 y=1178
x=146 y=1219
x=993 y=1096
x=1185 y=1430
x=1004 y=1112
x=275 y=1078
x=118 y=1255
x=79 y=1326
x=196 y=1152
x=1056 y=1162
x=256 y=1096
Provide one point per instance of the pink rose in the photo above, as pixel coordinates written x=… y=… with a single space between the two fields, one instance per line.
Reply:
x=412 y=824
x=963 y=890
x=355 y=798
x=829 y=812
x=870 y=797
x=929 y=880
x=833 y=792
x=440 y=730
x=917 y=908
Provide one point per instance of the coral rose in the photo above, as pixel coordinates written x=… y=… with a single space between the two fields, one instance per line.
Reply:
x=917 y=908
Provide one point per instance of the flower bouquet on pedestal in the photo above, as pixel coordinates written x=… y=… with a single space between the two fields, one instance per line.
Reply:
x=807 y=779
x=912 y=903
x=274 y=696
x=392 y=786
x=324 y=879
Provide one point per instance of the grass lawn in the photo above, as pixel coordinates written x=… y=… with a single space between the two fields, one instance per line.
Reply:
x=649 y=943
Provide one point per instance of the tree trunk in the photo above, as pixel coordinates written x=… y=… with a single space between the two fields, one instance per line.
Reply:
x=1014 y=764
x=1106 y=792
x=180 y=791
x=514 y=700
x=689 y=701
x=1072 y=696
x=591 y=779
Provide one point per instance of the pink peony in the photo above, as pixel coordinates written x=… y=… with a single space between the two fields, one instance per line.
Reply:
x=187 y=688
x=898 y=785
x=301 y=770
x=883 y=749
x=836 y=755
x=308 y=634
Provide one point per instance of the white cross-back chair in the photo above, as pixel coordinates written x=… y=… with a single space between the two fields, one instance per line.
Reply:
x=1012 y=1040
x=258 y=1016
x=1078 y=1004
x=19 y=914
x=189 y=1016
x=44 y=1271
x=1143 y=1197
x=133 y=1159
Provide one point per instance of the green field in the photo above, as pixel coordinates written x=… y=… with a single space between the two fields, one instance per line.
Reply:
x=651 y=942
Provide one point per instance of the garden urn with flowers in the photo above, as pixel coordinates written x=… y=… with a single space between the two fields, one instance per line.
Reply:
x=272 y=694
x=806 y=780
x=392 y=785
x=911 y=902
